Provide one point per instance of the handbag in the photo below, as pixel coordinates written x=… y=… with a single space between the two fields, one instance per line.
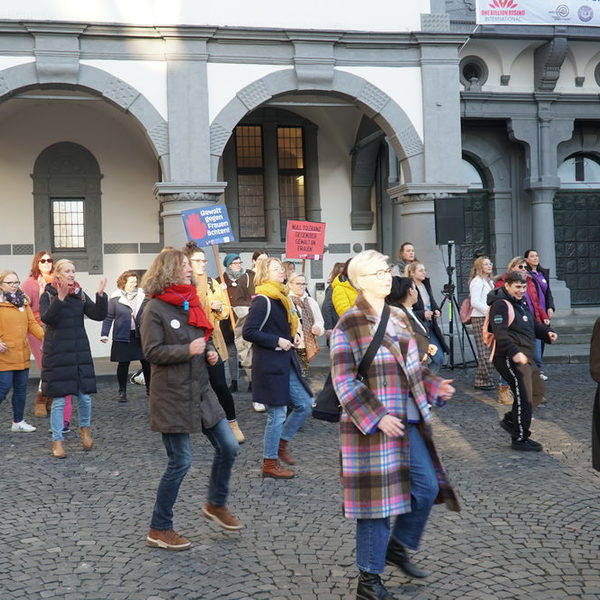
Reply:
x=327 y=406
x=244 y=347
x=466 y=310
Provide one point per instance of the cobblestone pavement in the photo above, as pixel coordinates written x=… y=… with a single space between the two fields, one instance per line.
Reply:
x=75 y=529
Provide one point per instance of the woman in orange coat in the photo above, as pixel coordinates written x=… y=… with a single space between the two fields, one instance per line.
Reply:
x=16 y=321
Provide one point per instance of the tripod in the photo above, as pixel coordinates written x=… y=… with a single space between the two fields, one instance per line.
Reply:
x=449 y=296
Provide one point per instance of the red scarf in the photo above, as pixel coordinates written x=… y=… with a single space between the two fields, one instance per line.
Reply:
x=185 y=295
x=74 y=288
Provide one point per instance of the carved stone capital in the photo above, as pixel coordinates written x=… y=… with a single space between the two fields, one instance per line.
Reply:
x=188 y=192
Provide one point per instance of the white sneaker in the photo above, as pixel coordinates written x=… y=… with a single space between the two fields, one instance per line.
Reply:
x=258 y=407
x=543 y=377
x=22 y=427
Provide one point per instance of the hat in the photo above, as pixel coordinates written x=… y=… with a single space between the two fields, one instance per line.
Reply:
x=229 y=258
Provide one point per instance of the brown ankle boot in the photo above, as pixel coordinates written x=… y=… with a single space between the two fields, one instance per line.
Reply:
x=284 y=455
x=86 y=438
x=272 y=468
x=58 y=450
x=39 y=408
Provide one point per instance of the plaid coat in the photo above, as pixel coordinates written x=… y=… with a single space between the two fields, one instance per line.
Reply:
x=375 y=468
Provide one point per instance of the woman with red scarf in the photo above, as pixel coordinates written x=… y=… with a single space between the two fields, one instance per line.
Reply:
x=175 y=332
x=67 y=365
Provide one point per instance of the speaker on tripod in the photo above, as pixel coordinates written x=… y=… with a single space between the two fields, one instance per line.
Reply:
x=449 y=231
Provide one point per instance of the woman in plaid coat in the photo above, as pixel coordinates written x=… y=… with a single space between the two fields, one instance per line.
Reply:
x=389 y=463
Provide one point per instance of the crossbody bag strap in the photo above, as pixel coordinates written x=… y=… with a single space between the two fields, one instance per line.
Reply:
x=367 y=359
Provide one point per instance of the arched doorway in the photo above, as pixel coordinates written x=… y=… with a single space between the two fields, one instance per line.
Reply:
x=577 y=227
x=477 y=224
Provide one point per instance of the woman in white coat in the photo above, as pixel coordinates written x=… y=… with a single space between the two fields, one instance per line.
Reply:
x=480 y=284
x=311 y=320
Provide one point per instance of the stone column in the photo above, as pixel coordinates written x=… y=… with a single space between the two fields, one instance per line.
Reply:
x=503 y=228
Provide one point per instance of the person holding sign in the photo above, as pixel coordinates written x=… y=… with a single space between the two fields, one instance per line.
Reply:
x=272 y=326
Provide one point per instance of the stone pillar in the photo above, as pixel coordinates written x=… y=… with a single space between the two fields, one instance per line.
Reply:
x=503 y=228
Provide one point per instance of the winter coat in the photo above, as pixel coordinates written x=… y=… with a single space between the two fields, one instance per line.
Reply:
x=375 y=468
x=31 y=287
x=343 y=295
x=479 y=288
x=239 y=290
x=520 y=335
x=548 y=295
x=595 y=373
x=215 y=293
x=317 y=319
x=419 y=310
x=119 y=316
x=330 y=317
x=271 y=366
x=181 y=399
x=531 y=297
x=15 y=324
x=68 y=367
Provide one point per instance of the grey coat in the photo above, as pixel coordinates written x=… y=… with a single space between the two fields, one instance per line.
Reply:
x=181 y=399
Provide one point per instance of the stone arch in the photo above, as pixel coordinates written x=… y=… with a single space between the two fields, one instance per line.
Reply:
x=101 y=83
x=377 y=105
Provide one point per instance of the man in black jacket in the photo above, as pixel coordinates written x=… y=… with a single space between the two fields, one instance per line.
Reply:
x=515 y=330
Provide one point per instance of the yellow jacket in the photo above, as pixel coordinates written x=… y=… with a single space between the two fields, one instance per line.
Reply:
x=343 y=296
x=215 y=293
x=15 y=324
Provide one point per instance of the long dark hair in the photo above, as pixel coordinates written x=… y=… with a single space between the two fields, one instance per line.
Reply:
x=399 y=291
x=526 y=254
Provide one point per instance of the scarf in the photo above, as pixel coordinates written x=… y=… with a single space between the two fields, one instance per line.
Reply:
x=185 y=295
x=234 y=275
x=278 y=291
x=74 y=288
x=307 y=320
x=18 y=298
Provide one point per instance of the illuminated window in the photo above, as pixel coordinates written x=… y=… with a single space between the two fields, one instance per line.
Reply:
x=290 y=155
x=68 y=226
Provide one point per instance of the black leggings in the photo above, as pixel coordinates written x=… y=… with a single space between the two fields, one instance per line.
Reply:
x=218 y=382
x=123 y=374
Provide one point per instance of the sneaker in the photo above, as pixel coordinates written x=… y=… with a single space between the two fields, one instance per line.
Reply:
x=67 y=427
x=258 y=407
x=543 y=377
x=221 y=516
x=167 y=539
x=22 y=427
x=527 y=445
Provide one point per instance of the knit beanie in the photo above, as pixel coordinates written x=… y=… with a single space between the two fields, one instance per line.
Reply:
x=229 y=258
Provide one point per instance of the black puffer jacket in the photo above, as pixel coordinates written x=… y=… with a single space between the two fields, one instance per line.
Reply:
x=520 y=335
x=67 y=361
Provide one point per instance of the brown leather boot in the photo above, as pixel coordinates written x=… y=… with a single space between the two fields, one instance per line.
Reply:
x=39 y=408
x=58 y=450
x=284 y=454
x=86 y=438
x=272 y=468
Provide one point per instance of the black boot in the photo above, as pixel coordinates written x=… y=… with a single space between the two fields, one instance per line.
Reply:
x=398 y=556
x=233 y=388
x=371 y=588
x=122 y=397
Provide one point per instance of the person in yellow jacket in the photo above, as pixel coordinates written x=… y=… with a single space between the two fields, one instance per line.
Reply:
x=344 y=293
x=215 y=303
x=16 y=321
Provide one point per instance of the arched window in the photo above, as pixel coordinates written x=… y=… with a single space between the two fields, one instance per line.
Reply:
x=67 y=209
x=580 y=170
x=472 y=175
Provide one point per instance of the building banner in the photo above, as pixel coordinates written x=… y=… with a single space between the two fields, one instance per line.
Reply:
x=538 y=12
x=208 y=226
x=305 y=240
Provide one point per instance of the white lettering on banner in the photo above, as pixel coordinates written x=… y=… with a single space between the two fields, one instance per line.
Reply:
x=538 y=12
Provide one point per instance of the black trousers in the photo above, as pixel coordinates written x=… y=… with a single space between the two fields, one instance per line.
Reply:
x=218 y=382
x=528 y=391
x=123 y=374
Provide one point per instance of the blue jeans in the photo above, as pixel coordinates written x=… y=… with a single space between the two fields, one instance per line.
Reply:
x=437 y=360
x=372 y=535
x=179 y=452
x=57 y=414
x=17 y=380
x=280 y=428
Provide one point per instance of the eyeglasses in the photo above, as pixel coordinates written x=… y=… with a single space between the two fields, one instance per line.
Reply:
x=380 y=274
x=46 y=260
x=298 y=283
x=11 y=282
x=236 y=262
x=521 y=267
x=201 y=260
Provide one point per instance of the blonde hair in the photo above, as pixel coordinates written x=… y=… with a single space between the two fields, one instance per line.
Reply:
x=261 y=270
x=410 y=269
x=166 y=269
x=517 y=260
x=59 y=265
x=362 y=263
x=3 y=274
x=477 y=268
